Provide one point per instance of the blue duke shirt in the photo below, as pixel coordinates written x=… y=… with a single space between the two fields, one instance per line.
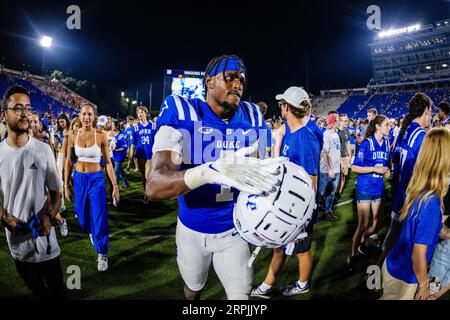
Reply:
x=421 y=226
x=121 y=143
x=143 y=138
x=129 y=134
x=317 y=132
x=371 y=154
x=407 y=153
x=209 y=208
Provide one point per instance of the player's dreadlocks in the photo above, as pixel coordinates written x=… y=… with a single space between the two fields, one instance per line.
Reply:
x=214 y=64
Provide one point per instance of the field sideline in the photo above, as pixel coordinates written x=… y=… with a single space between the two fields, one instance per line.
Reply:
x=142 y=262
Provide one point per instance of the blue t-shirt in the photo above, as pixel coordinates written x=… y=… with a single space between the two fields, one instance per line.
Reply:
x=294 y=147
x=317 y=132
x=352 y=132
x=143 y=138
x=209 y=208
x=129 y=134
x=408 y=152
x=303 y=149
x=371 y=154
x=421 y=226
x=121 y=143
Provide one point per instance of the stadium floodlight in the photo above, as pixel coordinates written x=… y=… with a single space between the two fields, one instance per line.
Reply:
x=127 y=100
x=46 y=42
x=134 y=102
x=428 y=67
x=393 y=32
x=444 y=65
x=122 y=94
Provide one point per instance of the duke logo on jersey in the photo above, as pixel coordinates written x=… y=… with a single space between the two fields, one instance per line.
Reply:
x=209 y=209
x=371 y=154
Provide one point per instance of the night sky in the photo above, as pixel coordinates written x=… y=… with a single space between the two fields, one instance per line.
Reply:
x=126 y=45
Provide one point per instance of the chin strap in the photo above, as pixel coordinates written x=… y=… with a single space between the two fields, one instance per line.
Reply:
x=253 y=256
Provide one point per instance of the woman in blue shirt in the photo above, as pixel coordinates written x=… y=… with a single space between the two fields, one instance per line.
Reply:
x=119 y=152
x=371 y=163
x=352 y=147
x=405 y=270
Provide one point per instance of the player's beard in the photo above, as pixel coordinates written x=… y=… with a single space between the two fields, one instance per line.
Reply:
x=230 y=109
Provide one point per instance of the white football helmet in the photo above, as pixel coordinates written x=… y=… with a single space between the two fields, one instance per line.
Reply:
x=277 y=218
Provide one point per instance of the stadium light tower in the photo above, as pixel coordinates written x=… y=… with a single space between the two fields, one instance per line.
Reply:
x=46 y=42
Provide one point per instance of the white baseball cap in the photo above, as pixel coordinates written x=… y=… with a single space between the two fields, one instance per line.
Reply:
x=102 y=120
x=294 y=96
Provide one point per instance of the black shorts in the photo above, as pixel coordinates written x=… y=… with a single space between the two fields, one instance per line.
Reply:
x=304 y=245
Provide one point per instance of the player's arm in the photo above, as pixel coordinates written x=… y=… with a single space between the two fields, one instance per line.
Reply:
x=164 y=180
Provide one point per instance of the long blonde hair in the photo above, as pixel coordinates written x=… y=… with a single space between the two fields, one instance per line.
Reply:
x=431 y=171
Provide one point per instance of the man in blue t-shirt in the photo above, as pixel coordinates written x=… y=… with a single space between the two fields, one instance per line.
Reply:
x=408 y=147
x=302 y=147
x=194 y=143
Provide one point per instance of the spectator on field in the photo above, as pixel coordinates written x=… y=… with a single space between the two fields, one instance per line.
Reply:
x=330 y=166
x=405 y=270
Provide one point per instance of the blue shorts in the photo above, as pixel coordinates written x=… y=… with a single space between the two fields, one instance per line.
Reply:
x=367 y=198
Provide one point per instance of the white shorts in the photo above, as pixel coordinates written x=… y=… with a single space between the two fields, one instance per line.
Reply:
x=228 y=252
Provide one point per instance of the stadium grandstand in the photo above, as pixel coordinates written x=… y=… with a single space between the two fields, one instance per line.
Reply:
x=404 y=61
x=47 y=95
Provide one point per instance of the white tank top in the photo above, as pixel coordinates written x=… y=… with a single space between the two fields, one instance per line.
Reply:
x=91 y=154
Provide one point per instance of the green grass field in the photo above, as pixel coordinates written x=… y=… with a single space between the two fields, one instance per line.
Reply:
x=142 y=263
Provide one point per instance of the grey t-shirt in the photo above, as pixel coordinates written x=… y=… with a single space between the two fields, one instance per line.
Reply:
x=331 y=146
x=344 y=136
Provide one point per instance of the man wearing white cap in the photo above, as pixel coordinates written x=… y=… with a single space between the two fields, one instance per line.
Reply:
x=302 y=147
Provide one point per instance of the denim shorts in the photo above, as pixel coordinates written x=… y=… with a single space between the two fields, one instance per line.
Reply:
x=440 y=264
x=367 y=198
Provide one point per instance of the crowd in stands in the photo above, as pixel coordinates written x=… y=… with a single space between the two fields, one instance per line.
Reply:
x=46 y=96
x=391 y=104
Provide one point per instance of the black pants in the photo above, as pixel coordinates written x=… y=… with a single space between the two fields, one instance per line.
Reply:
x=44 y=279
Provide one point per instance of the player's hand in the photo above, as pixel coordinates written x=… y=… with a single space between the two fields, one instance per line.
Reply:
x=387 y=175
x=331 y=174
x=235 y=169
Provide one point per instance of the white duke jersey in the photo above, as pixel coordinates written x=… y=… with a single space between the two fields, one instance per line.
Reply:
x=209 y=208
x=26 y=174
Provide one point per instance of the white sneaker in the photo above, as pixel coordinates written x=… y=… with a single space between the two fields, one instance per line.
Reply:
x=102 y=263
x=90 y=237
x=63 y=228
